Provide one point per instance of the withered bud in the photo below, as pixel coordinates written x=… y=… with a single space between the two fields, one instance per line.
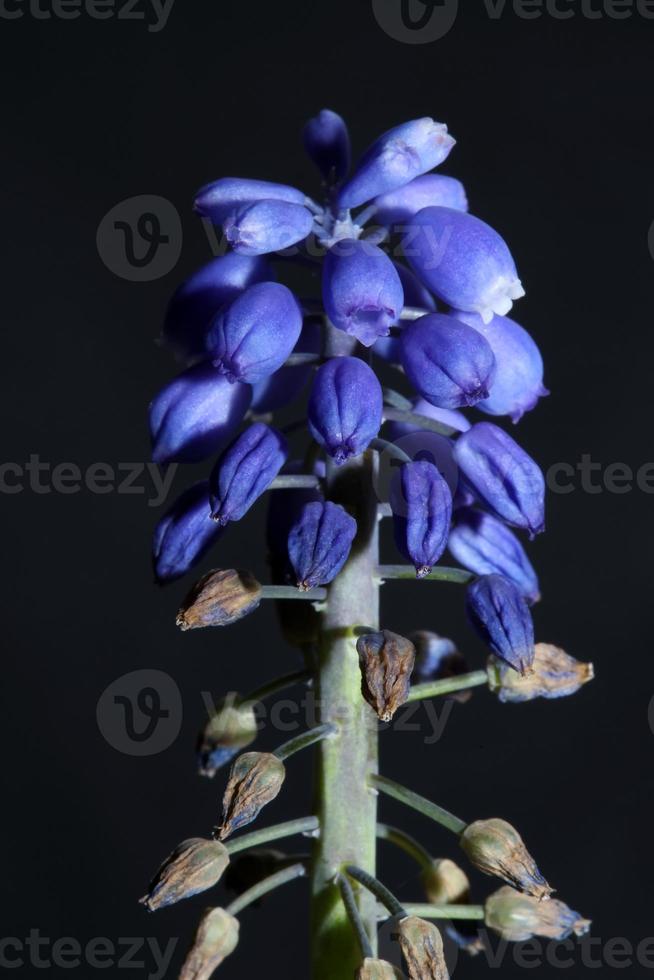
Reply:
x=194 y=866
x=219 y=598
x=437 y=658
x=215 y=939
x=446 y=883
x=251 y=867
x=255 y=779
x=386 y=660
x=496 y=848
x=554 y=674
x=517 y=918
x=422 y=948
x=377 y=970
x=231 y=728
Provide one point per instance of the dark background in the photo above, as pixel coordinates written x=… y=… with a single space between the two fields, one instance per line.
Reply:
x=553 y=120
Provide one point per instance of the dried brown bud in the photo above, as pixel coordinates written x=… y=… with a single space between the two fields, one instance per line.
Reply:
x=554 y=674
x=219 y=598
x=377 y=970
x=517 y=917
x=255 y=779
x=446 y=883
x=194 y=866
x=422 y=948
x=215 y=939
x=231 y=728
x=386 y=660
x=496 y=848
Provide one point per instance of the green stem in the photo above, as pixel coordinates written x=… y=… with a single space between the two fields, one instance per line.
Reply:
x=440 y=573
x=432 y=689
x=303 y=825
x=375 y=887
x=395 y=400
x=424 y=911
x=350 y=903
x=420 y=421
x=406 y=843
x=298 y=481
x=292 y=592
x=263 y=887
x=304 y=740
x=419 y=803
x=384 y=446
x=276 y=685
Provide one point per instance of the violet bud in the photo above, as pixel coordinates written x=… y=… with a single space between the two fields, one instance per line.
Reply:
x=327 y=142
x=194 y=866
x=501 y=616
x=361 y=290
x=503 y=476
x=431 y=190
x=517 y=917
x=445 y=883
x=267 y=226
x=496 y=848
x=484 y=545
x=463 y=260
x=255 y=779
x=420 y=406
x=252 y=337
x=215 y=939
x=230 y=729
x=223 y=197
x=319 y=543
x=395 y=158
x=196 y=302
x=386 y=661
x=518 y=382
x=449 y=366
x=345 y=407
x=245 y=470
x=184 y=534
x=284 y=386
x=374 y=969
x=422 y=949
x=554 y=674
x=218 y=599
x=438 y=658
x=422 y=511
x=195 y=414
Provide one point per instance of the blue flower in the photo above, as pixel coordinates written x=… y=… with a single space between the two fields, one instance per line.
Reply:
x=485 y=546
x=345 y=407
x=327 y=143
x=245 y=471
x=221 y=198
x=422 y=511
x=319 y=543
x=184 y=534
x=267 y=226
x=361 y=290
x=499 y=613
x=431 y=190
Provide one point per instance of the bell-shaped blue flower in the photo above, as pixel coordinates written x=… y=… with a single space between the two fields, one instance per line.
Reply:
x=463 y=260
x=345 y=407
x=398 y=156
x=431 y=190
x=195 y=414
x=449 y=366
x=184 y=534
x=223 y=197
x=421 y=502
x=245 y=470
x=251 y=338
x=415 y=294
x=499 y=613
x=503 y=476
x=284 y=386
x=319 y=543
x=195 y=303
x=361 y=290
x=518 y=382
x=486 y=546
x=327 y=142
x=267 y=226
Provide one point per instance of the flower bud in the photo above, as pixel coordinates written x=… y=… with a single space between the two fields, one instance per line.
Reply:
x=386 y=661
x=431 y=190
x=219 y=598
x=222 y=197
x=445 y=883
x=215 y=939
x=496 y=848
x=517 y=918
x=449 y=366
x=345 y=407
x=437 y=658
x=422 y=511
x=503 y=476
x=319 y=543
x=252 y=338
x=255 y=779
x=463 y=260
x=193 y=867
x=501 y=616
x=230 y=729
x=327 y=143
x=184 y=534
x=399 y=155
x=372 y=969
x=554 y=674
x=245 y=471
x=195 y=414
x=361 y=290
x=422 y=949
x=485 y=546
x=267 y=226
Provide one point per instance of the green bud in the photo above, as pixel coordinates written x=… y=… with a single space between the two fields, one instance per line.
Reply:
x=496 y=848
x=554 y=674
x=215 y=939
x=377 y=970
x=194 y=866
x=219 y=598
x=231 y=728
x=422 y=948
x=517 y=917
x=386 y=661
x=255 y=779
x=446 y=883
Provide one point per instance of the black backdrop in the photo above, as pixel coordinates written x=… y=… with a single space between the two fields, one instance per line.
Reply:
x=553 y=119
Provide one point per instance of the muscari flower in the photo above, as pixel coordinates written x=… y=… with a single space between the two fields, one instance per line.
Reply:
x=484 y=545
x=496 y=848
x=223 y=197
x=463 y=260
x=195 y=865
x=245 y=470
x=422 y=511
x=422 y=949
x=554 y=674
x=216 y=937
x=386 y=660
x=501 y=616
x=267 y=226
x=415 y=294
x=361 y=290
x=319 y=543
x=327 y=142
x=184 y=534
x=219 y=598
x=430 y=190
x=345 y=407
x=517 y=917
x=252 y=337
x=255 y=779
x=445 y=883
